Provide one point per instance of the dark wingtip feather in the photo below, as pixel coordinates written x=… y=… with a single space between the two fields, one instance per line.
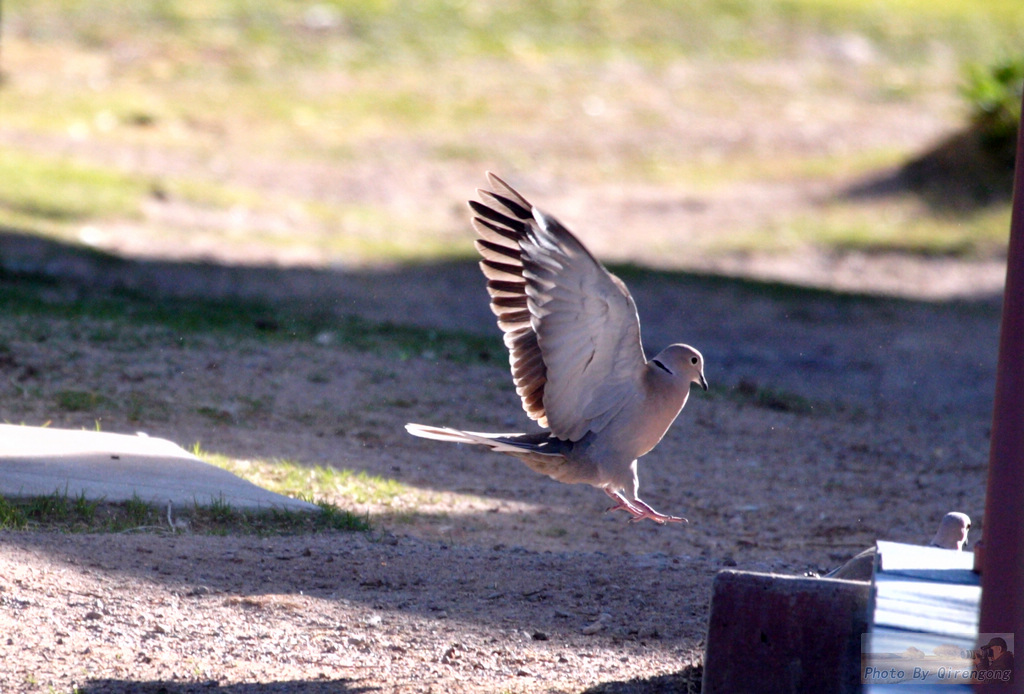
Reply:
x=498 y=184
x=520 y=211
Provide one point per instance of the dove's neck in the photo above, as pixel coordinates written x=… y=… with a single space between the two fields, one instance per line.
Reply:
x=665 y=395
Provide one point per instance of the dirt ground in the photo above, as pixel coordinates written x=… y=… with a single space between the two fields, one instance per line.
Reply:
x=833 y=420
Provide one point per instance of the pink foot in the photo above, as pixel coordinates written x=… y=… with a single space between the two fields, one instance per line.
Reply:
x=639 y=510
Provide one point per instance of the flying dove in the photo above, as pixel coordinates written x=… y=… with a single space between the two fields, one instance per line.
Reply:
x=573 y=335
x=952 y=534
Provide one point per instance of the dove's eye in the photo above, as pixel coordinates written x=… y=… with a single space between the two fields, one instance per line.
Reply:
x=693 y=360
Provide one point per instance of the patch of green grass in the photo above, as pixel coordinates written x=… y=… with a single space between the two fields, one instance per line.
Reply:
x=326 y=84
x=399 y=403
x=62 y=513
x=136 y=513
x=413 y=341
x=264 y=67
x=54 y=197
x=63 y=190
x=207 y=194
x=124 y=312
x=335 y=518
x=362 y=32
x=83 y=507
x=908 y=21
x=772 y=398
x=335 y=228
x=748 y=166
x=144 y=407
x=70 y=513
x=221 y=518
x=12 y=516
x=993 y=94
x=217 y=415
x=979 y=233
x=302 y=481
x=79 y=400
x=361 y=487
x=901 y=226
x=54 y=506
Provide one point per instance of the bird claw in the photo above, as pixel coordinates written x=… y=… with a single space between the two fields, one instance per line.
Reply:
x=659 y=518
x=639 y=510
x=635 y=513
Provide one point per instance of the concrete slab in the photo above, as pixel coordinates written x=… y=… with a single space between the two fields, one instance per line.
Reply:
x=37 y=461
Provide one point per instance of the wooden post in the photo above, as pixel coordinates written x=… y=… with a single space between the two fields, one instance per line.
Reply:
x=1002 y=579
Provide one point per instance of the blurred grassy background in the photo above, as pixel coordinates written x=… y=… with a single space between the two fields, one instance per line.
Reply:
x=349 y=132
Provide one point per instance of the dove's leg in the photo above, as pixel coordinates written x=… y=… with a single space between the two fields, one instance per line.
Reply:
x=639 y=510
x=648 y=512
x=623 y=504
x=635 y=506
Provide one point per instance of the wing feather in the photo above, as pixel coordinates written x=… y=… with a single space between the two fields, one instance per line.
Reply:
x=570 y=326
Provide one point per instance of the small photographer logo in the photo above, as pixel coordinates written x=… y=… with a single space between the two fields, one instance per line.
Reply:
x=993 y=661
x=918 y=658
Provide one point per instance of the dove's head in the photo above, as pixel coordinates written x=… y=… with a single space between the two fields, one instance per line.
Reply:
x=953 y=530
x=684 y=362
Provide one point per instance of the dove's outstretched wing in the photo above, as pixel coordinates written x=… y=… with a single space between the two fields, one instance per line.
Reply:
x=571 y=327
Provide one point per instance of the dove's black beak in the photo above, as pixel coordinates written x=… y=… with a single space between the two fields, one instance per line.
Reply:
x=703 y=383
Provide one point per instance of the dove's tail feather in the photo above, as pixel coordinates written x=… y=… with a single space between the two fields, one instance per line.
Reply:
x=502 y=443
x=541 y=452
x=452 y=435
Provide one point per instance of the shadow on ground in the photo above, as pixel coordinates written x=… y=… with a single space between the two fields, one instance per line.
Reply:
x=818 y=345
x=959 y=175
x=686 y=681
x=519 y=586
x=109 y=686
